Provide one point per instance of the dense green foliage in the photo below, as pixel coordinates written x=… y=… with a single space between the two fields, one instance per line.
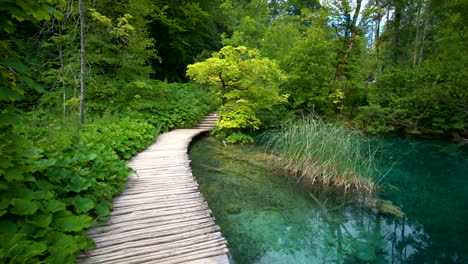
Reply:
x=58 y=177
x=393 y=66
x=59 y=181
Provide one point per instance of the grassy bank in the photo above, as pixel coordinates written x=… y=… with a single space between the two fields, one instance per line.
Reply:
x=324 y=156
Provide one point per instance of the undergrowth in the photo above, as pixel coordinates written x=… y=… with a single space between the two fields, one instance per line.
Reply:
x=58 y=178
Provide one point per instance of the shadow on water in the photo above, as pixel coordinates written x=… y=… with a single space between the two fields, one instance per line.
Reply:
x=267 y=219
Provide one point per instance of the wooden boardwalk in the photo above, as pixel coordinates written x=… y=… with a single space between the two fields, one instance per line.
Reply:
x=161 y=217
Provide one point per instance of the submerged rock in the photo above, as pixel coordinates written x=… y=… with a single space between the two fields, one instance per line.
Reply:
x=387 y=208
x=232 y=209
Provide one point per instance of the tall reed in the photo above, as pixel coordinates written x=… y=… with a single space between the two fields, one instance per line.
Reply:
x=325 y=156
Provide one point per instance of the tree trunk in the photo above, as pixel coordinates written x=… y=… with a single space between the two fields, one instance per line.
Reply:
x=62 y=73
x=377 y=31
x=426 y=26
x=83 y=64
x=396 y=33
x=416 y=39
x=350 y=43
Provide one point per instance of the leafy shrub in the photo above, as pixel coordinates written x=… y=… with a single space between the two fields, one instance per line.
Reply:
x=50 y=195
x=124 y=136
x=415 y=102
x=58 y=179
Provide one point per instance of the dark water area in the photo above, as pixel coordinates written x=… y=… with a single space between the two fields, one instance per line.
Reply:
x=269 y=219
x=431 y=180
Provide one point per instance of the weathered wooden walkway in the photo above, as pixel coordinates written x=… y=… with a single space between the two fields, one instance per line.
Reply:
x=161 y=217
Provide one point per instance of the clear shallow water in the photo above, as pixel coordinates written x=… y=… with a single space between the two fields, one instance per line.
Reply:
x=267 y=219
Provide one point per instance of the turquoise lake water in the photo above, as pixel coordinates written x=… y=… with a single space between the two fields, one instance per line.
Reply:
x=268 y=219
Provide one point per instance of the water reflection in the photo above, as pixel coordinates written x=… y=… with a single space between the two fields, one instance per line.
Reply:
x=267 y=219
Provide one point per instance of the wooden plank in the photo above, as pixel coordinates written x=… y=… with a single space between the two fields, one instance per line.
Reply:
x=144 y=231
x=109 y=246
x=135 y=224
x=111 y=225
x=158 y=253
x=155 y=195
x=161 y=217
x=174 y=198
x=168 y=198
x=153 y=206
x=187 y=258
x=159 y=212
x=192 y=239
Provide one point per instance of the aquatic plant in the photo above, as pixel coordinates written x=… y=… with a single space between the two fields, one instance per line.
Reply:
x=324 y=156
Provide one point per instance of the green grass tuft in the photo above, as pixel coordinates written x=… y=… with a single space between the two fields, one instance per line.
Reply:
x=324 y=156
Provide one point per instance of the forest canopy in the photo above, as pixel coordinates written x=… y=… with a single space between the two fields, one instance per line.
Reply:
x=136 y=68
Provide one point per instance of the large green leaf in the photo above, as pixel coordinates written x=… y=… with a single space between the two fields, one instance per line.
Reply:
x=24 y=207
x=43 y=195
x=78 y=184
x=83 y=204
x=42 y=164
x=103 y=210
x=4 y=203
x=41 y=220
x=56 y=174
x=14 y=174
x=73 y=223
x=28 y=248
x=55 y=205
x=63 y=247
x=8 y=227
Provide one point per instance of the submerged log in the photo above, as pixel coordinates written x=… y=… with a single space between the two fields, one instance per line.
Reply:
x=387 y=208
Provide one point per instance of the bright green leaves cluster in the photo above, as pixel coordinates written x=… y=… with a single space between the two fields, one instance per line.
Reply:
x=123 y=27
x=245 y=81
x=55 y=193
x=124 y=136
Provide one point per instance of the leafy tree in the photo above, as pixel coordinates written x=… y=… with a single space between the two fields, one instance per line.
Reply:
x=421 y=88
x=245 y=83
x=183 y=31
x=309 y=64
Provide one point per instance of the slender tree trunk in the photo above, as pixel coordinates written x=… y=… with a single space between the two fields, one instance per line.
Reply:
x=62 y=73
x=350 y=43
x=416 y=39
x=396 y=40
x=426 y=26
x=83 y=64
x=377 y=32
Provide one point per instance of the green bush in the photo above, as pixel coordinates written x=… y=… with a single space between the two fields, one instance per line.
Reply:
x=50 y=195
x=415 y=101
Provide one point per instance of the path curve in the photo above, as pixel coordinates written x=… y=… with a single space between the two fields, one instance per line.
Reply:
x=161 y=216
